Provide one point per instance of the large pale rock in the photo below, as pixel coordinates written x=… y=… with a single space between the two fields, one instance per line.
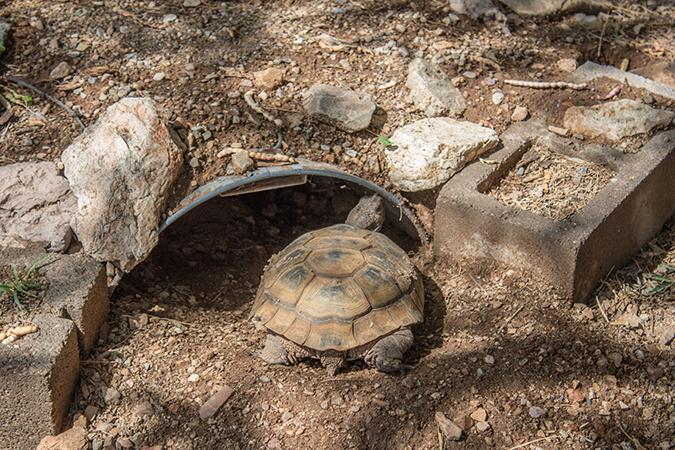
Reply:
x=590 y=71
x=616 y=120
x=662 y=72
x=431 y=90
x=426 y=153
x=36 y=206
x=121 y=169
x=546 y=7
x=348 y=109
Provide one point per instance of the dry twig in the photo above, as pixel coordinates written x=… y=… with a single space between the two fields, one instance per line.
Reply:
x=23 y=83
x=513 y=316
x=248 y=97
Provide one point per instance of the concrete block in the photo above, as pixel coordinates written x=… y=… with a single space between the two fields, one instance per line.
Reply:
x=38 y=374
x=573 y=254
x=77 y=289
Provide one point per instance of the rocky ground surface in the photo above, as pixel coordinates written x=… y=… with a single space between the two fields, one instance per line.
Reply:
x=499 y=354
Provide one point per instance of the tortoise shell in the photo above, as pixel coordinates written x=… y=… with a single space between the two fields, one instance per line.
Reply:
x=338 y=288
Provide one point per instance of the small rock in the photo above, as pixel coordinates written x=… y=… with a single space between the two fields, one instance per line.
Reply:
x=90 y=412
x=575 y=395
x=431 y=90
x=616 y=120
x=336 y=400
x=520 y=113
x=193 y=378
x=61 y=70
x=213 y=404
x=241 y=162
x=479 y=415
x=469 y=74
x=111 y=396
x=489 y=359
x=497 y=98
x=168 y=18
x=159 y=76
x=667 y=337
x=536 y=412
x=194 y=163
x=286 y=416
x=350 y=110
x=663 y=72
x=269 y=79
x=264 y=379
x=143 y=409
x=616 y=358
x=567 y=65
x=73 y=439
x=564 y=132
x=428 y=152
x=191 y=3
x=448 y=428
x=482 y=426
x=124 y=442
x=463 y=421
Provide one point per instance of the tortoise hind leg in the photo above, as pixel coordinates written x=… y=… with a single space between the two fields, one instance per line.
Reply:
x=274 y=351
x=386 y=355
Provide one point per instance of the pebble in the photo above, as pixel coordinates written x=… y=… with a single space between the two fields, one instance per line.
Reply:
x=497 y=98
x=159 y=76
x=192 y=3
x=214 y=403
x=469 y=74
x=536 y=412
x=568 y=65
x=286 y=416
x=564 y=132
x=193 y=378
x=520 y=113
x=241 y=163
x=616 y=358
x=667 y=337
x=482 y=426
x=264 y=379
x=479 y=415
x=61 y=70
x=194 y=163
x=450 y=430
x=168 y=18
x=111 y=396
x=489 y=359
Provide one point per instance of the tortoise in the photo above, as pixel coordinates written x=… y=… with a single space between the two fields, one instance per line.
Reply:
x=340 y=293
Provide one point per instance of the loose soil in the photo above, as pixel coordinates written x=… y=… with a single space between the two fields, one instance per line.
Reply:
x=551 y=184
x=492 y=338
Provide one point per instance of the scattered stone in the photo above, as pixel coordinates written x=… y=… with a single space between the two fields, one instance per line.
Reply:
x=482 y=426
x=73 y=439
x=431 y=90
x=286 y=416
x=590 y=71
x=520 y=113
x=497 y=98
x=616 y=120
x=90 y=412
x=568 y=65
x=616 y=358
x=628 y=319
x=168 y=18
x=143 y=409
x=213 y=404
x=575 y=395
x=36 y=206
x=663 y=72
x=536 y=412
x=476 y=8
x=61 y=70
x=489 y=359
x=564 y=132
x=194 y=163
x=426 y=153
x=348 y=109
x=111 y=396
x=241 y=162
x=479 y=415
x=159 y=76
x=193 y=378
x=122 y=169
x=269 y=79
x=191 y=3
x=667 y=337
x=450 y=430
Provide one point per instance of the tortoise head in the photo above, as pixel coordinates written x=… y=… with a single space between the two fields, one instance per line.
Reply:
x=368 y=213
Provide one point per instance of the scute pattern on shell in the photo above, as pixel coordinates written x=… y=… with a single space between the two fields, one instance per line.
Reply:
x=338 y=288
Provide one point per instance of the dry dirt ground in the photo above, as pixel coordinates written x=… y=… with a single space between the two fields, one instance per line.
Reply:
x=494 y=341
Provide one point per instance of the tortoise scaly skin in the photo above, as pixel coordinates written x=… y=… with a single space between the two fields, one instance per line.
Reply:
x=337 y=294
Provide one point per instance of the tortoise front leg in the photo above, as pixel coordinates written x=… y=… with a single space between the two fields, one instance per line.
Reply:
x=386 y=355
x=332 y=363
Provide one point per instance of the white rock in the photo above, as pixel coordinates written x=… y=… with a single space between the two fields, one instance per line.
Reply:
x=241 y=162
x=121 y=169
x=431 y=90
x=191 y=3
x=428 y=152
x=348 y=109
x=616 y=120
x=568 y=65
x=520 y=113
x=159 y=76
x=36 y=206
x=193 y=378
x=497 y=98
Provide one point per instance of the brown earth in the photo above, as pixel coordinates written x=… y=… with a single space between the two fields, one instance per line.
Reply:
x=493 y=339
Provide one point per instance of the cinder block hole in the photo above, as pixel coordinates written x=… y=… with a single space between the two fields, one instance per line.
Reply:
x=549 y=183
